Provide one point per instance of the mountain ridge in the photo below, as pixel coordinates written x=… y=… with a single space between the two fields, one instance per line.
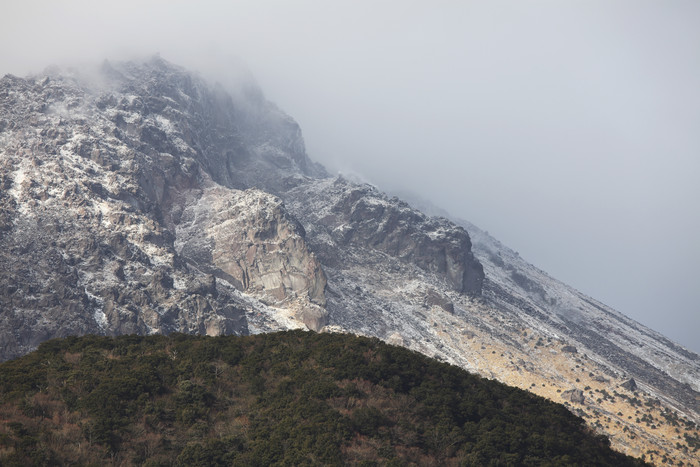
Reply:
x=113 y=195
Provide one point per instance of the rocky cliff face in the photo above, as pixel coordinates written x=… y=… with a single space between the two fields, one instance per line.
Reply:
x=96 y=175
x=249 y=240
x=140 y=199
x=347 y=215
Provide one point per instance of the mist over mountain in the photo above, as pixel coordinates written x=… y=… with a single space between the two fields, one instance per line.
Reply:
x=136 y=197
x=568 y=130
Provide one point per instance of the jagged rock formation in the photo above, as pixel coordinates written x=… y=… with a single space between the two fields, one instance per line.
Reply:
x=249 y=240
x=140 y=199
x=94 y=171
x=346 y=215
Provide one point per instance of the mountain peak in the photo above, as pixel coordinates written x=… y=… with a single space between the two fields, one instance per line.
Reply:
x=141 y=199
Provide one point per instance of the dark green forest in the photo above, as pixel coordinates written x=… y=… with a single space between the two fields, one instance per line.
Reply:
x=290 y=398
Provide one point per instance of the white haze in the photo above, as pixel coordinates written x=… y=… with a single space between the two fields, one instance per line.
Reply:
x=568 y=129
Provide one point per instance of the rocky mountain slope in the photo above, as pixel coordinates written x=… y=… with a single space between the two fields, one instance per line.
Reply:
x=139 y=199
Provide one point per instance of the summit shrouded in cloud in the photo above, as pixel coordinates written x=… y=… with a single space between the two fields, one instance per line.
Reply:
x=137 y=197
x=568 y=130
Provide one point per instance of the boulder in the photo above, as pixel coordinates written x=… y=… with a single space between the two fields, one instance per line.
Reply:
x=574 y=395
x=630 y=385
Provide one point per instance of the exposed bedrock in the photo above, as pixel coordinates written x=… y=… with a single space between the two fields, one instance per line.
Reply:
x=359 y=215
x=249 y=239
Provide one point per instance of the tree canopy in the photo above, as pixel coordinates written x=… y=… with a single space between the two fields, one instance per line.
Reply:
x=292 y=398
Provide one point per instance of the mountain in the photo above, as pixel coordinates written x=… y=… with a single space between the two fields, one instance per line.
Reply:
x=137 y=198
x=293 y=398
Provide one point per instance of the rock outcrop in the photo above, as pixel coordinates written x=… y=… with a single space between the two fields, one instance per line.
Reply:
x=92 y=172
x=248 y=239
x=574 y=395
x=349 y=214
x=630 y=385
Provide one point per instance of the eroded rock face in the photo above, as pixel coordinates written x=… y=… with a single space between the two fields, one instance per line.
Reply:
x=136 y=182
x=359 y=215
x=93 y=172
x=248 y=238
x=99 y=268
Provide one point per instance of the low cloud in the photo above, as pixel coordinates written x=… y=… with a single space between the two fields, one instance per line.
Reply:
x=568 y=130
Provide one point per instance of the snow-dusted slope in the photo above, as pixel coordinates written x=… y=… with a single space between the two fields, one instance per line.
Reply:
x=523 y=327
x=657 y=364
x=97 y=171
x=144 y=200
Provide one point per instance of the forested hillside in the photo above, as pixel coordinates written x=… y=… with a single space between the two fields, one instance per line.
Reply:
x=295 y=398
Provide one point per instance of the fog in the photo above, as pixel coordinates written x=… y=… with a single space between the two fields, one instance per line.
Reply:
x=569 y=130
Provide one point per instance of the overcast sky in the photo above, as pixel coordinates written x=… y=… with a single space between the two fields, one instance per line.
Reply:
x=570 y=130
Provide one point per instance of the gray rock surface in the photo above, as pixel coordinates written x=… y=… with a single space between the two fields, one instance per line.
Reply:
x=248 y=239
x=630 y=385
x=346 y=214
x=574 y=395
x=95 y=172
